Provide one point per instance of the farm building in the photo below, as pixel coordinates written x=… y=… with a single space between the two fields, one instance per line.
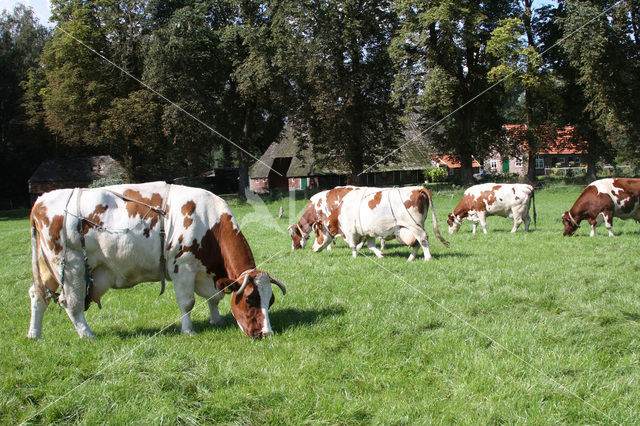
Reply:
x=562 y=151
x=73 y=173
x=452 y=163
x=221 y=180
x=286 y=166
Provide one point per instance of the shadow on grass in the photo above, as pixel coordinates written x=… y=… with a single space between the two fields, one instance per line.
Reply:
x=420 y=255
x=14 y=214
x=281 y=320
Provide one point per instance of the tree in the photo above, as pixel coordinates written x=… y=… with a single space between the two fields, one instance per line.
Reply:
x=22 y=144
x=442 y=68
x=337 y=53
x=515 y=44
x=605 y=60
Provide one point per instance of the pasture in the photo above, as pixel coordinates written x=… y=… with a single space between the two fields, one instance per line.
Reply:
x=498 y=328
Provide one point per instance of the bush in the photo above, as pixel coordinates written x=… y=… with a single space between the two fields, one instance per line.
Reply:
x=99 y=183
x=437 y=174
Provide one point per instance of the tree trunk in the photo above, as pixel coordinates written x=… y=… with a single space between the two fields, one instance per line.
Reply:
x=531 y=178
x=466 y=169
x=243 y=171
x=243 y=158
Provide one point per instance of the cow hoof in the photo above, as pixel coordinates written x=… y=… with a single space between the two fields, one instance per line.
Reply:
x=87 y=336
x=33 y=336
x=216 y=321
x=188 y=332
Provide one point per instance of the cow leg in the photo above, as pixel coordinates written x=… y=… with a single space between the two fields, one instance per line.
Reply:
x=38 y=306
x=383 y=244
x=73 y=295
x=517 y=220
x=371 y=243
x=184 y=286
x=205 y=288
x=475 y=226
x=423 y=239
x=329 y=247
x=482 y=216
x=608 y=222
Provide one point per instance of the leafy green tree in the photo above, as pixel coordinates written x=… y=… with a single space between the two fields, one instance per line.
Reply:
x=442 y=70
x=516 y=45
x=337 y=55
x=603 y=48
x=23 y=144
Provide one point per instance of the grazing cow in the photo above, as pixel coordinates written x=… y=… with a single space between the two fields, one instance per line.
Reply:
x=603 y=200
x=386 y=213
x=493 y=199
x=319 y=208
x=86 y=241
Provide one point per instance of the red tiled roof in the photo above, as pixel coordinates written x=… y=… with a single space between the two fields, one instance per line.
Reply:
x=564 y=142
x=451 y=161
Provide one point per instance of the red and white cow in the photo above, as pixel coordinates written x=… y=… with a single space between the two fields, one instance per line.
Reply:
x=603 y=200
x=494 y=199
x=125 y=231
x=318 y=208
x=385 y=213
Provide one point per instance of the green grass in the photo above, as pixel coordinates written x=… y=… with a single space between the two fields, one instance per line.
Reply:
x=499 y=328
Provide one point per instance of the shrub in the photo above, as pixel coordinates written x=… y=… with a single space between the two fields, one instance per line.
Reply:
x=437 y=174
x=99 y=183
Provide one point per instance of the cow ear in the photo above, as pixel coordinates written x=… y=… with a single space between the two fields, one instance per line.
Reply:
x=227 y=285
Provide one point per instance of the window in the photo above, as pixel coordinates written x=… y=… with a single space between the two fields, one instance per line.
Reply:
x=493 y=164
x=518 y=162
x=539 y=163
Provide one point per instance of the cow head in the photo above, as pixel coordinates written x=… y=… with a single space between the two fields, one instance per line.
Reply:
x=250 y=301
x=298 y=238
x=323 y=236
x=570 y=225
x=454 y=222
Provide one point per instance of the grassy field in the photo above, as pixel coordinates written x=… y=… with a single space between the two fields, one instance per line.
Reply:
x=499 y=328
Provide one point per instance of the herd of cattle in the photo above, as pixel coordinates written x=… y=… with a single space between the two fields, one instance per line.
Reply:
x=86 y=241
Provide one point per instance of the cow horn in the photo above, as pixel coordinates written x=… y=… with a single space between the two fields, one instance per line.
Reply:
x=279 y=284
x=243 y=286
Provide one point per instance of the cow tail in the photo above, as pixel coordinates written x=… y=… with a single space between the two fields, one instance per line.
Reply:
x=435 y=219
x=35 y=268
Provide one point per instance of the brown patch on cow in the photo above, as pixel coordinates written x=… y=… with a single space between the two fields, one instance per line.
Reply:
x=94 y=218
x=55 y=230
x=335 y=197
x=486 y=198
x=39 y=215
x=417 y=199
x=136 y=209
x=629 y=195
x=375 y=200
x=466 y=204
x=187 y=210
x=513 y=189
x=175 y=269
x=223 y=250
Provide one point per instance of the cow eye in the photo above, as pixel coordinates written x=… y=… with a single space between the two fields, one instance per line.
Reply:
x=253 y=299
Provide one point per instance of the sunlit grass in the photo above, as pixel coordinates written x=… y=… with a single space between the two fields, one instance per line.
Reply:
x=498 y=328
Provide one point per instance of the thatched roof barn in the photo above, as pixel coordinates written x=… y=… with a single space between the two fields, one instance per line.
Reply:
x=74 y=172
x=285 y=165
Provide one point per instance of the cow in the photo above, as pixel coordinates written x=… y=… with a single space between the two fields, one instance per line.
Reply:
x=319 y=208
x=386 y=213
x=493 y=199
x=601 y=201
x=86 y=241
